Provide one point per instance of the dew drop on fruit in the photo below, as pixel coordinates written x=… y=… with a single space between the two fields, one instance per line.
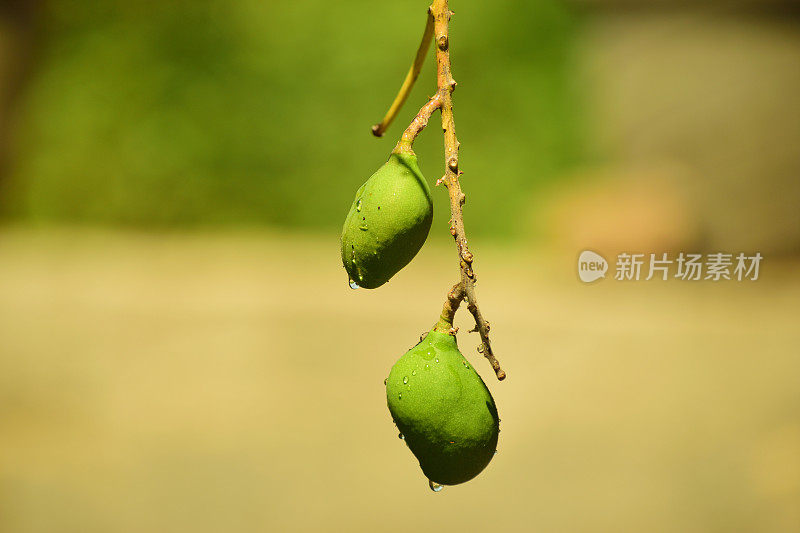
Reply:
x=405 y=380
x=353 y=285
x=385 y=380
x=363 y=226
x=358 y=205
x=435 y=487
x=413 y=372
x=401 y=436
x=437 y=359
x=399 y=395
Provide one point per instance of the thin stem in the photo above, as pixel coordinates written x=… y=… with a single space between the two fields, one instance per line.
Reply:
x=441 y=14
x=454 y=298
x=418 y=124
x=408 y=83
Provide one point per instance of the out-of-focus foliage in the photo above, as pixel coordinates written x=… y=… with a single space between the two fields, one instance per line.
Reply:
x=206 y=113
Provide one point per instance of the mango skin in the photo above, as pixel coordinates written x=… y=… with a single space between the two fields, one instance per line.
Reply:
x=443 y=409
x=388 y=222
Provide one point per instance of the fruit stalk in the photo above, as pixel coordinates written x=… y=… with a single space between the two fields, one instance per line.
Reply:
x=454 y=298
x=418 y=124
x=441 y=14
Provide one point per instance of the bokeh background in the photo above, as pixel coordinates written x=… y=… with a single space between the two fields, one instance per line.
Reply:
x=180 y=351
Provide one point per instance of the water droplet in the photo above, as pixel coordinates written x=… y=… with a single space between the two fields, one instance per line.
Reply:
x=495 y=452
x=435 y=487
x=385 y=380
x=413 y=372
x=358 y=204
x=405 y=380
x=427 y=367
x=400 y=396
x=353 y=285
x=401 y=436
x=437 y=359
x=363 y=226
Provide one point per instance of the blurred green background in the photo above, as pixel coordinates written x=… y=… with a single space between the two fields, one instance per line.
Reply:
x=180 y=351
x=186 y=114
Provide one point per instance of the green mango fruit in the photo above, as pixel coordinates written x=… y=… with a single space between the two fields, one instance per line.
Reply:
x=443 y=410
x=387 y=223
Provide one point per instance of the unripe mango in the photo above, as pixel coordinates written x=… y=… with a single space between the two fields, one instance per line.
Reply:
x=443 y=410
x=387 y=223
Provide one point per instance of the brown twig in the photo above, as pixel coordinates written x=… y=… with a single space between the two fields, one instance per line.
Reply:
x=441 y=14
x=437 y=26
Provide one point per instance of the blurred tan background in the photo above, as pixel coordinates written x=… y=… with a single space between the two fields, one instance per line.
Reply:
x=180 y=351
x=246 y=392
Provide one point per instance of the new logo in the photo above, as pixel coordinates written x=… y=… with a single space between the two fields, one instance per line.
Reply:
x=591 y=266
